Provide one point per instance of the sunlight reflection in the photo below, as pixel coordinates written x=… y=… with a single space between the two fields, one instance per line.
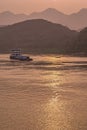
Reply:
x=55 y=118
x=54 y=80
x=55 y=115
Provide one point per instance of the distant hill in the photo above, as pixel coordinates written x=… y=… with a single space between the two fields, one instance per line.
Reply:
x=75 y=21
x=8 y=18
x=36 y=34
x=49 y=14
x=78 y=20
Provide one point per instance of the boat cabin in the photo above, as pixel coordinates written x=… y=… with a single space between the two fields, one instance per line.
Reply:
x=16 y=55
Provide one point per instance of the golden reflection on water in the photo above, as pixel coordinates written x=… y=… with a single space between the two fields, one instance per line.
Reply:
x=55 y=118
x=54 y=79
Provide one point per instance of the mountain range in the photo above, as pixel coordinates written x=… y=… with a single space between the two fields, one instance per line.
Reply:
x=8 y=18
x=75 y=21
x=36 y=35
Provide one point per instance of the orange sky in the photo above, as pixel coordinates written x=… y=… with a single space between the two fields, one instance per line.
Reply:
x=28 y=6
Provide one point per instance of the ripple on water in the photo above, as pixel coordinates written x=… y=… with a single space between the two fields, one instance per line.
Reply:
x=48 y=93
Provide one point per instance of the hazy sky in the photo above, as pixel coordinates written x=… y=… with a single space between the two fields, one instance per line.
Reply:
x=28 y=6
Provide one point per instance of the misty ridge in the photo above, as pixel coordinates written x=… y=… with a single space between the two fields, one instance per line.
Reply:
x=75 y=21
x=42 y=36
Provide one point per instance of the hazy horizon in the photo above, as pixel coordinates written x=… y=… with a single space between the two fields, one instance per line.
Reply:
x=29 y=6
x=41 y=11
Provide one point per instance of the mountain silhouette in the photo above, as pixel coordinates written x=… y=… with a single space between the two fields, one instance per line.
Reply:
x=8 y=18
x=49 y=14
x=36 y=34
x=75 y=21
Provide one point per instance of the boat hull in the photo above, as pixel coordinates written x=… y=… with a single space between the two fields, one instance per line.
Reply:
x=21 y=58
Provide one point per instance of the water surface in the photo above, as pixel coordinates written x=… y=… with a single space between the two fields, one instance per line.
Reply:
x=48 y=93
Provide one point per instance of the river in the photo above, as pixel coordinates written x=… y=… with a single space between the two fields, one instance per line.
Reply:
x=48 y=93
